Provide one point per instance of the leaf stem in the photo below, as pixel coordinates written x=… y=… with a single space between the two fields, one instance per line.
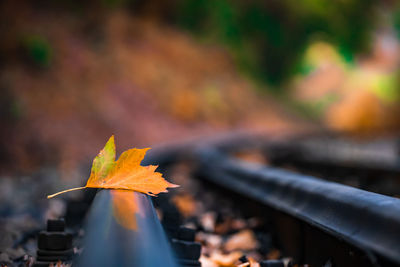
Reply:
x=65 y=191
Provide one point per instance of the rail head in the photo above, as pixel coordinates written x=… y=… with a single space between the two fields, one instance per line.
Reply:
x=122 y=229
x=364 y=219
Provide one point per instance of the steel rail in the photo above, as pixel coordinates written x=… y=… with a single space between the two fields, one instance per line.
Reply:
x=367 y=221
x=110 y=242
x=382 y=156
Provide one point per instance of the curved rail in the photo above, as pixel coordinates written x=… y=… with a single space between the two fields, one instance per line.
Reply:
x=369 y=221
x=379 y=156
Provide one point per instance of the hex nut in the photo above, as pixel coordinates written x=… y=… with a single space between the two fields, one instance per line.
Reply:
x=54 y=240
x=186 y=249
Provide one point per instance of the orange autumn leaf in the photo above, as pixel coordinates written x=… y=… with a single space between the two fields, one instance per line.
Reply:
x=185 y=204
x=125 y=173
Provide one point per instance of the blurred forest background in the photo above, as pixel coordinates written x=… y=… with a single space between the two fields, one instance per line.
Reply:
x=73 y=72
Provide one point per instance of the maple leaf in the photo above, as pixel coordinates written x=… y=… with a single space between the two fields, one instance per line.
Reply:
x=125 y=173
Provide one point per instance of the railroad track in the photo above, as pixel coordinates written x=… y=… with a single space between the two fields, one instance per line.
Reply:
x=313 y=220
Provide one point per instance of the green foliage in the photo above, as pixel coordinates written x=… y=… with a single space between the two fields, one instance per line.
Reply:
x=269 y=37
x=396 y=19
x=38 y=50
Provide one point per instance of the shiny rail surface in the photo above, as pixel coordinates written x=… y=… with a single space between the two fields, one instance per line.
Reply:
x=369 y=222
x=124 y=231
x=380 y=156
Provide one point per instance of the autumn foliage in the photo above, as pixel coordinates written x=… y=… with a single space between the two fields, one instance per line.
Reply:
x=125 y=173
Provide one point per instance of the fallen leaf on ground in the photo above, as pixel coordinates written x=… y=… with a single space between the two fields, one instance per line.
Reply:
x=208 y=220
x=210 y=242
x=225 y=260
x=125 y=173
x=244 y=240
x=207 y=262
x=59 y=264
x=185 y=204
x=253 y=262
x=238 y=224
